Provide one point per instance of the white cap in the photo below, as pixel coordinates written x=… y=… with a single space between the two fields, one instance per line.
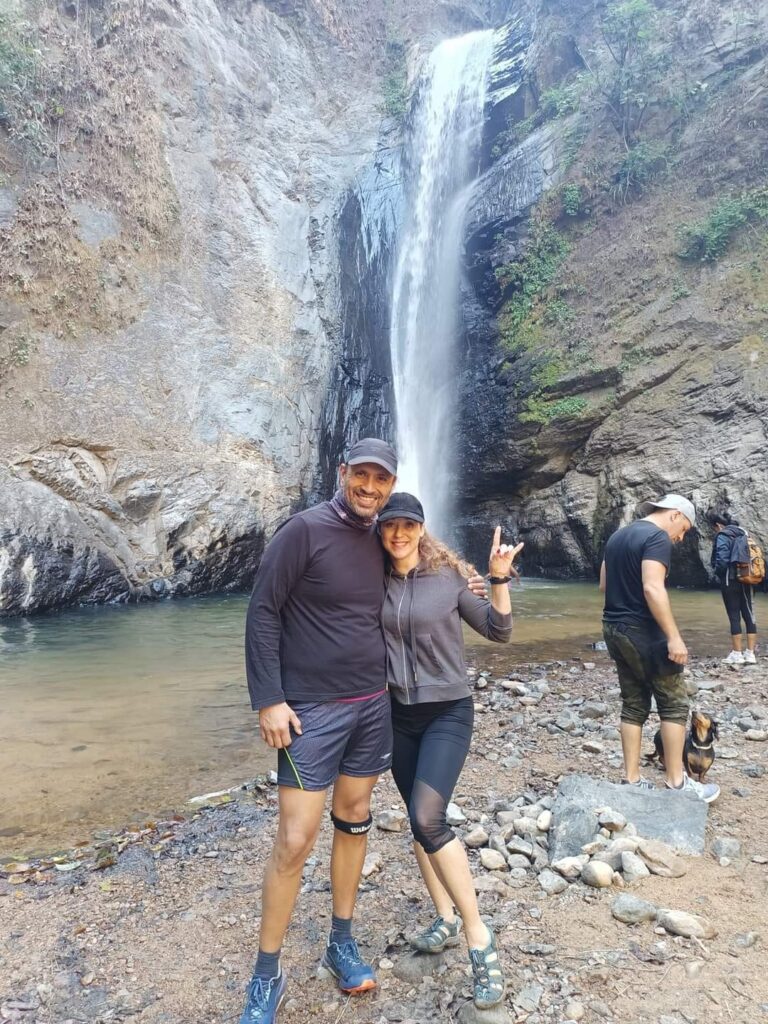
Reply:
x=674 y=501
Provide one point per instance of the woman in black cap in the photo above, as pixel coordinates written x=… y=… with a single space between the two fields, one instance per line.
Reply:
x=432 y=713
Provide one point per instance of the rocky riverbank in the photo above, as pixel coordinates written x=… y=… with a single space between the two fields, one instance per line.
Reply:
x=160 y=925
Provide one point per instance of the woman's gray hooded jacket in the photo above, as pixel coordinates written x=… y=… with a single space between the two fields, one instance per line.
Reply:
x=421 y=617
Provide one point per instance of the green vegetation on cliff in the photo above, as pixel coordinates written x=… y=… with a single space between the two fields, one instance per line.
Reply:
x=706 y=240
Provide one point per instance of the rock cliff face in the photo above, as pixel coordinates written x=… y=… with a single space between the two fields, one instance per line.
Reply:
x=612 y=369
x=174 y=264
x=197 y=223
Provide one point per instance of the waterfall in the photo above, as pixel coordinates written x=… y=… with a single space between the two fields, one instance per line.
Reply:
x=442 y=154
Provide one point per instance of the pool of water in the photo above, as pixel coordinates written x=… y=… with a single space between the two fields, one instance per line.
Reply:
x=111 y=715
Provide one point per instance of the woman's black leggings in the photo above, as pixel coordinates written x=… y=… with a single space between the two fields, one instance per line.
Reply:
x=431 y=742
x=737 y=598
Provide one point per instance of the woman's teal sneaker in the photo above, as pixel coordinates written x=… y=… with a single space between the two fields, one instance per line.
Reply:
x=344 y=962
x=438 y=936
x=264 y=999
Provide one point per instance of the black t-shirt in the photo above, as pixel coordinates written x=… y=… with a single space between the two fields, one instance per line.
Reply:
x=625 y=552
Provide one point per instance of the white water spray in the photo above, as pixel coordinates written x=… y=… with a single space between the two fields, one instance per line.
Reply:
x=443 y=162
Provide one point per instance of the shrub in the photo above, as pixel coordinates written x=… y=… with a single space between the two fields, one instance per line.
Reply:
x=395 y=86
x=527 y=278
x=540 y=410
x=643 y=163
x=706 y=240
x=572 y=200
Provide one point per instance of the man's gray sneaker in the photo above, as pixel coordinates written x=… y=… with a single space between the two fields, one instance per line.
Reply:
x=706 y=791
x=438 y=936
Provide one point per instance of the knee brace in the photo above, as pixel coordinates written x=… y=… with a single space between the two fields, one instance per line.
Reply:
x=352 y=828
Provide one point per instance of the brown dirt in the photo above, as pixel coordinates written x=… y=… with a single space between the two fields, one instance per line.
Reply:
x=117 y=943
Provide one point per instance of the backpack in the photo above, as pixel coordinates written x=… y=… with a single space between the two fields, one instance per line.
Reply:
x=749 y=561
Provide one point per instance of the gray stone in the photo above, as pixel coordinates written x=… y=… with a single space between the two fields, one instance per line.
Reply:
x=632 y=910
x=593 y=709
x=725 y=846
x=660 y=859
x=476 y=838
x=570 y=867
x=678 y=922
x=414 y=967
x=492 y=860
x=753 y=771
x=757 y=735
x=94 y=226
x=518 y=845
x=551 y=883
x=675 y=818
x=613 y=820
x=746 y=940
x=528 y=998
x=391 y=820
x=469 y=1014
x=633 y=867
x=454 y=814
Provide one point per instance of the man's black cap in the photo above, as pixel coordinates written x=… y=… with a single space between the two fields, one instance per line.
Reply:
x=371 y=449
x=402 y=505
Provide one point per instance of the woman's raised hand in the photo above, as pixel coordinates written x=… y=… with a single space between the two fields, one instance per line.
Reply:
x=502 y=556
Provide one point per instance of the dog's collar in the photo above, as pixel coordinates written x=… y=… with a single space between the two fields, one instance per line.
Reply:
x=699 y=747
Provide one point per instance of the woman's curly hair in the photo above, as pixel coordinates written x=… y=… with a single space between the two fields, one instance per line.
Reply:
x=434 y=555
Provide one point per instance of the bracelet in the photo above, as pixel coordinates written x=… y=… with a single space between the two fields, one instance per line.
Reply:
x=499 y=579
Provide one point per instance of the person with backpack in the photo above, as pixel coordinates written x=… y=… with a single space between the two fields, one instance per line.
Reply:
x=730 y=552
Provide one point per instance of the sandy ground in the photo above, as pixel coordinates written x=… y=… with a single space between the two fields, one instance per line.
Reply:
x=167 y=934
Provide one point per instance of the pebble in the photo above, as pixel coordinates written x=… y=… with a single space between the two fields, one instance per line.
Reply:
x=631 y=910
x=454 y=814
x=492 y=860
x=757 y=735
x=544 y=821
x=661 y=859
x=476 y=838
x=574 y=1010
x=528 y=998
x=391 y=820
x=518 y=845
x=570 y=867
x=746 y=940
x=373 y=862
x=612 y=820
x=725 y=846
x=678 y=922
x=633 y=867
x=551 y=883
x=694 y=968
x=592 y=747
x=597 y=874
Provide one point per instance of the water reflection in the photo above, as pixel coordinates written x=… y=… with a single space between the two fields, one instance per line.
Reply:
x=114 y=714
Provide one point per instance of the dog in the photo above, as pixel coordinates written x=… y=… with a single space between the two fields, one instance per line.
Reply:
x=699 y=749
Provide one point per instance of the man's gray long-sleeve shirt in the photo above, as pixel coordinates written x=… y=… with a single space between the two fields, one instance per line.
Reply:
x=313 y=631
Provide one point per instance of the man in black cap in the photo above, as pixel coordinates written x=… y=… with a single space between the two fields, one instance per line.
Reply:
x=316 y=667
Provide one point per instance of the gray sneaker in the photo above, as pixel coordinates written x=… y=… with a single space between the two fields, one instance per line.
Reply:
x=641 y=783
x=706 y=791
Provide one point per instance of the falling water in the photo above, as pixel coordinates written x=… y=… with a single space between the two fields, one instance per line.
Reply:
x=442 y=162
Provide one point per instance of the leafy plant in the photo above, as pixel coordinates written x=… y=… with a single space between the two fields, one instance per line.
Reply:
x=633 y=71
x=643 y=162
x=572 y=199
x=544 y=411
x=706 y=240
x=395 y=86
x=527 y=278
x=22 y=108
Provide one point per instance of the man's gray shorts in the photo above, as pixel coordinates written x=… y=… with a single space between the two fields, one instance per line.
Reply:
x=337 y=738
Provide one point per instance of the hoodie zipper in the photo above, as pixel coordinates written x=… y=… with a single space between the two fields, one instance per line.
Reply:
x=402 y=643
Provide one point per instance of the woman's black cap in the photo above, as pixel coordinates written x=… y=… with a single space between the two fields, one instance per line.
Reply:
x=402 y=505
